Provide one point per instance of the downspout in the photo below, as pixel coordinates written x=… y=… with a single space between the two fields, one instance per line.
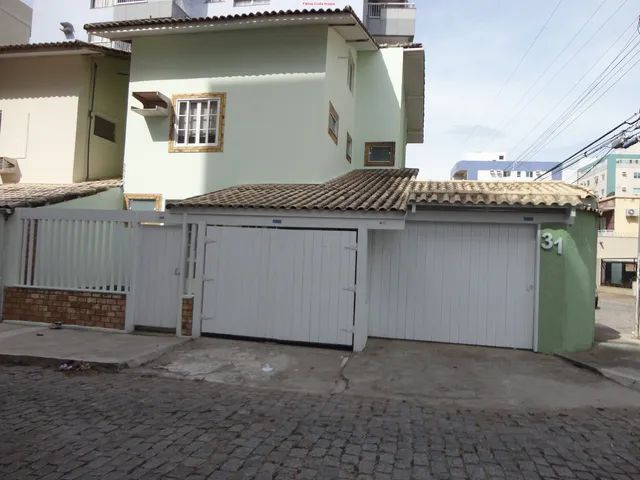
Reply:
x=92 y=99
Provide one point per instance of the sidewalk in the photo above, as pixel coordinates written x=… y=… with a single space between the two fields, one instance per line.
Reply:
x=616 y=353
x=616 y=360
x=26 y=344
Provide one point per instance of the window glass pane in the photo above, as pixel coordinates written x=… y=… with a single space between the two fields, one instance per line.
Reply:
x=142 y=204
x=182 y=122
x=181 y=135
x=380 y=154
x=182 y=108
x=214 y=107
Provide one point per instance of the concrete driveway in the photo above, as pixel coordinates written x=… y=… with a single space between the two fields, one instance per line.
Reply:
x=430 y=373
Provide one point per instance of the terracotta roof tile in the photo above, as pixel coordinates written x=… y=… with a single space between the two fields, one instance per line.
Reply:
x=58 y=46
x=465 y=192
x=382 y=190
x=14 y=195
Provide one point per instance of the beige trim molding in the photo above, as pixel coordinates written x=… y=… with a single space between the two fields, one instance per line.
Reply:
x=333 y=113
x=143 y=196
x=173 y=148
x=369 y=163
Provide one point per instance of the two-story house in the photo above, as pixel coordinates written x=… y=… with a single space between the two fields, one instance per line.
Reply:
x=296 y=97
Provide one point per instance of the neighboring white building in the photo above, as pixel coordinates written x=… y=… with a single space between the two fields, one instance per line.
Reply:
x=57 y=20
x=494 y=166
x=15 y=22
x=63 y=112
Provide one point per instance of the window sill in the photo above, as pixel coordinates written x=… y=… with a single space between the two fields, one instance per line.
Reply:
x=195 y=149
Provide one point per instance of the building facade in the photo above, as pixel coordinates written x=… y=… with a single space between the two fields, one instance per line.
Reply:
x=297 y=104
x=63 y=112
x=57 y=20
x=15 y=22
x=617 y=174
x=495 y=167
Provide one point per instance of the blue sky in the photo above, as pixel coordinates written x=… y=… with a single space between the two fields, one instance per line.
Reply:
x=473 y=46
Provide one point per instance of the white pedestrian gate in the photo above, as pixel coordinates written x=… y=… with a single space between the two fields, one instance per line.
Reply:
x=284 y=284
x=453 y=282
x=158 y=277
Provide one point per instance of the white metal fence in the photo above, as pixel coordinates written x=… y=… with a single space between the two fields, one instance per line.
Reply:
x=79 y=249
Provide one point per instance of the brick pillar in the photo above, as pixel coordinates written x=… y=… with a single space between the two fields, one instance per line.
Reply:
x=187 y=316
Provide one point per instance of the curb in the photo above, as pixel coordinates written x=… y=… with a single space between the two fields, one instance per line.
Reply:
x=53 y=362
x=115 y=366
x=628 y=381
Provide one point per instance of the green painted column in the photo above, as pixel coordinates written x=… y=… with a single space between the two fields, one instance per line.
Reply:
x=566 y=316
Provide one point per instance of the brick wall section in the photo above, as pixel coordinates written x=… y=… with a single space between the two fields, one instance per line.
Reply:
x=90 y=309
x=187 y=316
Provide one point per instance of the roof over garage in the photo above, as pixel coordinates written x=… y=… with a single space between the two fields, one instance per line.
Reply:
x=390 y=190
x=477 y=193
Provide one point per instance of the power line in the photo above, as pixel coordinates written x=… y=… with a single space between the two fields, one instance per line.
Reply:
x=557 y=57
x=597 y=162
x=566 y=119
x=572 y=89
x=515 y=70
x=604 y=76
x=596 y=145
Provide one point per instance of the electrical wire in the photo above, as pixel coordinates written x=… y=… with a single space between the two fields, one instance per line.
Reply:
x=609 y=72
x=571 y=117
x=517 y=67
x=581 y=98
x=597 y=162
x=556 y=58
x=596 y=145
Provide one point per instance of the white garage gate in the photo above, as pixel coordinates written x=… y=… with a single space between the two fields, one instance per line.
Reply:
x=457 y=283
x=285 y=284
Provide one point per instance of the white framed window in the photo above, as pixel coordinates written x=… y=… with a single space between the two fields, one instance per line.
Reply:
x=518 y=173
x=624 y=174
x=506 y=173
x=379 y=154
x=529 y=174
x=636 y=174
x=198 y=122
x=351 y=72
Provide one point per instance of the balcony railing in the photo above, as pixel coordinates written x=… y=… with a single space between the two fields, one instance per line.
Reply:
x=111 y=3
x=375 y=9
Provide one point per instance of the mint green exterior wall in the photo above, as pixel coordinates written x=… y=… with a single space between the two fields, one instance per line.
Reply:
x=278 y=85
x=566 y=316
x=380 y=112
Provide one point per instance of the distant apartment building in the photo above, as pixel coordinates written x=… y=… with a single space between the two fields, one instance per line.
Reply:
x=617 y=174
x=15 y=22
x=58 y=20
x=493 y=166
x=616 y=180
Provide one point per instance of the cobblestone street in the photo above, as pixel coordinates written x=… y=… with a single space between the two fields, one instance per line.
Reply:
x=124 y=426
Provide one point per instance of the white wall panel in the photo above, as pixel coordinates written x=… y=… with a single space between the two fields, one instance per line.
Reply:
x=454 y=282
x=280 y=283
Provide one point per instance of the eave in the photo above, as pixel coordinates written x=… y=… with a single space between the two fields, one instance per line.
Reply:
x=344 y=21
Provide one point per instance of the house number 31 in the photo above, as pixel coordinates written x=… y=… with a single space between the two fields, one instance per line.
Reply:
x=547 y=242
